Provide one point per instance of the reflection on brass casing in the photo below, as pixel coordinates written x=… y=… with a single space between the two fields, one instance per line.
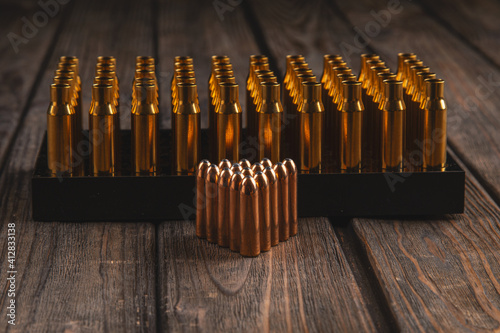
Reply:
x=186 y=130
x=234 y=214
x=201 y=204
x=225 y=164
x=247 y=172
x=269 y=122
x=350 y=127
x=292 y=171
x=228 y=114
x=274 y=204
x=266 y=162
x=61 y=136
x=224 y=207
x=211 y=189
x=103 y=132
x=264 y=210
x=245 y=163
x=145 y=131
x=249 y=218
x=392 y=119
x=401 y=58
x=311 y=118
x=283 y=201
x=434 y=126
x=236 y=167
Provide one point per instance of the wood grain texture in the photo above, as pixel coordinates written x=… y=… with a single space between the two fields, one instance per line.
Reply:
x=201 y=31
x=303 y=284
x=476 y=21
x=440 y=275
x=79 y=277
x=472 y=83
x=18 y=70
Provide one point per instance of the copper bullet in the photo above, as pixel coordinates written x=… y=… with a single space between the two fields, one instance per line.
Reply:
x=434 y=126
x=61 y=136
x=103 y=132
x=245 y=163
x=249 y=218
x=186 y=126
x=234 y=214
x=225 y=164
x=401 y=58
x=224 y=207
x=264 y=207
x=257 y=167
x=236 y=167
x=292 y=171
x=266 y=162
x=247 y=172
x=283 y=201
x=211 y=190
x=201 y=205
x=145 y=130
x=228 y=115
x=350 y=124
x=392 y=119
x=274 y=204
x=311 y=118
x=269 y=122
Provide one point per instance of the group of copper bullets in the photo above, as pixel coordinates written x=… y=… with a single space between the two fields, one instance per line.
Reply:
x=64 y=120
x=248 y=208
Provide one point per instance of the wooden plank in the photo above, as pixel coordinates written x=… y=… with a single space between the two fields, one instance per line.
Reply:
x=79 y=276
x=440 y=275
x=19 y=71
x=471 y=91
x=476 y=22
x=304 y=284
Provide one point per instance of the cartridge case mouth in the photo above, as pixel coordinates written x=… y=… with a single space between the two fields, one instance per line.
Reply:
x=102 y=93
x=220 y=58
x=229 y=92
x=393 y=89
x=311 y=91
x=270 y=92
x=146 y=60
x=183 y=59
x=106 y=60
x=351 y=91
x=258 y=58
x=434 y=88
x=60 y=93
x=145 y=93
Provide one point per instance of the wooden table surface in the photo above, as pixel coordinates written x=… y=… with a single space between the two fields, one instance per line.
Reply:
x=409 y=274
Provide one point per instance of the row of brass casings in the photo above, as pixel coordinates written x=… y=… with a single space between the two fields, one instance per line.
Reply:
x=248 y=208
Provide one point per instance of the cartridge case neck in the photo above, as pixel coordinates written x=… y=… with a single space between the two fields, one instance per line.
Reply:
x=102 y=93
x=351 y=97
x=393 y=96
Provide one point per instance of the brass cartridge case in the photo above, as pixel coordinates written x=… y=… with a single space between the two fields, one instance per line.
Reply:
x=145 y=73
x=411 y=113
x=228 y=115
x=249 y=218
x=363 y=68
x=145 y=131
x=434 y=126
x=214 y=100
x=224 y=207
x=236 y=167
x=201 y=204
x=247 y=172
x=183 y=60
x=350 y=127
x=412 y=80
x=186 y=125
x=269 y=122
x=225 y=164
x=104 y=132
x=401 y=58
x=61 y=136
x=336 y=88
x=392 y=118
x=292 y=171
x=264 y=207
x=106 y=60
x=283 y=201
x=266 y=162
x=406 y=69
x=256 y=167
x=72 y=71
x=312 y=116
x=173 y=88
x=105 y=67
x=325 y=77
x=338 y=95
x=234 y=214
x=211 y=190
x=244 y=163
x=297 y=59
x=148 y=60
x=252 y=85
x=274 y=204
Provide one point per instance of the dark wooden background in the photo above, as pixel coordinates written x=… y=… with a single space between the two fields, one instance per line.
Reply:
x=427 y=274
